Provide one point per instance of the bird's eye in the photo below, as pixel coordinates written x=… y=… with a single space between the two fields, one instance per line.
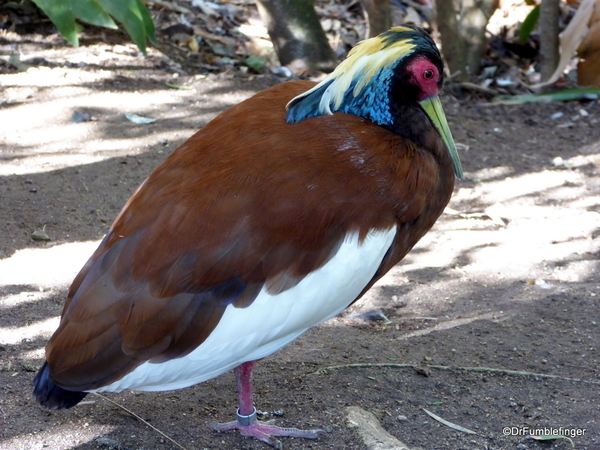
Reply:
x=428 y=74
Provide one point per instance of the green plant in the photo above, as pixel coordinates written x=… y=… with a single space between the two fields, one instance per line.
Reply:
x=133 y=14
x=529 y=24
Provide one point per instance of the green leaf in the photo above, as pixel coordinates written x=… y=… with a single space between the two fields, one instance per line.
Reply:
x=148 y=22
x=256 y=62
x=133 y=14
x=529 y=24
x=61 y=15
x=91 y=12
x=557 y=96
x=177 y=86
x=135 y=18
x=40 y=235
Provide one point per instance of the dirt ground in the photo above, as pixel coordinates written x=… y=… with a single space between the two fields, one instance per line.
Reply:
x=491 y=322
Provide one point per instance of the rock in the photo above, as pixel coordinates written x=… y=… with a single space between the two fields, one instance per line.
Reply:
x=371 y=431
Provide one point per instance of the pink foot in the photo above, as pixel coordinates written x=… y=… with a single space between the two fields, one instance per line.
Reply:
x=249 y=426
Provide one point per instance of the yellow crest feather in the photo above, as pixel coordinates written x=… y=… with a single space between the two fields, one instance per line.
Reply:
x=362 y=63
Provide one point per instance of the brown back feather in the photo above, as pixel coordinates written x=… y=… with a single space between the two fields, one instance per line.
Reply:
x=247 y=201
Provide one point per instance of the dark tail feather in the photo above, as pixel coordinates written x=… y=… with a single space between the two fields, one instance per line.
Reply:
x=50 y=395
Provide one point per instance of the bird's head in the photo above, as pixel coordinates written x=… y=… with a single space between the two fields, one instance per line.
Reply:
x=399 y=69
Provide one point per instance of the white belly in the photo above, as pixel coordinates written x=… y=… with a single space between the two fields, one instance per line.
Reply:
x=271 y=321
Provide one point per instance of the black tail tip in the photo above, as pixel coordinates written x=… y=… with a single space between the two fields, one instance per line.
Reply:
x=52 y=396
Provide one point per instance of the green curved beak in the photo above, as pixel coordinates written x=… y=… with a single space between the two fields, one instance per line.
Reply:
x=433 y=108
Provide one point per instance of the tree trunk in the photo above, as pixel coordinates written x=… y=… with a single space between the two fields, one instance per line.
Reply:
x=379 y=16
x=297 y=35
x=454 y=47
x=462 y=26
x=549 y=13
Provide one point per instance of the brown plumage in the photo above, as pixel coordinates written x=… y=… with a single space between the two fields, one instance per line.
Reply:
x=250 y=209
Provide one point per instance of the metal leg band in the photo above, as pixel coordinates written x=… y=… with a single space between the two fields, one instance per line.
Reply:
x=246 y=420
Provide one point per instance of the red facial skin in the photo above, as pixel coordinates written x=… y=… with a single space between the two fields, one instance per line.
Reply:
x=425 y=75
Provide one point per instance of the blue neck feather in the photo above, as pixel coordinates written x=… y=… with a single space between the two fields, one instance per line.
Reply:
x=307 y=107
x=372 y=103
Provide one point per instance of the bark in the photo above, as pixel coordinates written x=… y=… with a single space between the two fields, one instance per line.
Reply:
x=379 y=16
x=454 y=47
x=297 y=35
x=548 y=25
x=462 y=26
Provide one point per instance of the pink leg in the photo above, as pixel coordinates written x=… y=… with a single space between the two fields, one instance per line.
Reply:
x=247 y=422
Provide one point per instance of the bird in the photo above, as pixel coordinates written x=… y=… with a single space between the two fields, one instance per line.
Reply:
x=274 y=217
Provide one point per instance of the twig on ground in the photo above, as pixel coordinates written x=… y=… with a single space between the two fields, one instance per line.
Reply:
x=140 y=419
x=465 y=369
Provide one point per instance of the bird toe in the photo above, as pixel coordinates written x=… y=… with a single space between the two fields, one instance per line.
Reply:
x=266 y=432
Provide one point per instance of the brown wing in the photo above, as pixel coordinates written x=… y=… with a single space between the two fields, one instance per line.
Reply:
x=248 y=201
